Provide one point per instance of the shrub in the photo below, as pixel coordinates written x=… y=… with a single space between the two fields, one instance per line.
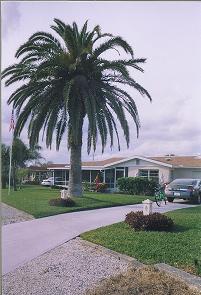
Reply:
x=87 y=186
x=68 y=202
x=155 y=221
x=101 y=188
x=137 y=186
x=34 y=182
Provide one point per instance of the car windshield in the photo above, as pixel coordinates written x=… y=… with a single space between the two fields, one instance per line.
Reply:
x=184 y=182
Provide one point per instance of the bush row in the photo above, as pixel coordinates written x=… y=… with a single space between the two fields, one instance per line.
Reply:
x=137 y=186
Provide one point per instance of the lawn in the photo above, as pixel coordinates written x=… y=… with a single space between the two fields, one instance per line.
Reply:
x=34 y=200
x=178 y=248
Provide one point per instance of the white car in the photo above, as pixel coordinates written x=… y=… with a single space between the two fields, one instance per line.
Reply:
x=48 y=182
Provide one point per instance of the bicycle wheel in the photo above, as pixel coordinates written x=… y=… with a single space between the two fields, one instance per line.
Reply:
x=158 y=200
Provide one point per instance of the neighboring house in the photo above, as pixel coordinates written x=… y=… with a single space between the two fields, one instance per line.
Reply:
x=38 y=173
x=162 y=169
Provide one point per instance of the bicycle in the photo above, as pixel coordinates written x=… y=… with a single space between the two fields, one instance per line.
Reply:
x=160 y=196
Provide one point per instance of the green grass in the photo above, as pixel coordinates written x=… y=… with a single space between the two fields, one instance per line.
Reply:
x=34 y=200
x=178 y=248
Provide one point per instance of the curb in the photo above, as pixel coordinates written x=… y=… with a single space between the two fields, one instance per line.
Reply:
x=192 y=280
x=134 y=262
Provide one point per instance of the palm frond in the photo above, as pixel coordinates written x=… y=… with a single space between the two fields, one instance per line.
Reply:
x=113 y=42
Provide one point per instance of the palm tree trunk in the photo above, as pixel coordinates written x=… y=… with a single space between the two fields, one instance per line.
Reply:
x=75 y=172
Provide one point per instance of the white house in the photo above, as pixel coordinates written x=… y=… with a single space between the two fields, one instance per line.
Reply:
x=161 y=169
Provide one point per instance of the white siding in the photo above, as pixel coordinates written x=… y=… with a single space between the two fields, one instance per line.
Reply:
x=164 y=174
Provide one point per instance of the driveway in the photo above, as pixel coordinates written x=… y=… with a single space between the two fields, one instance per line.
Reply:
x=21 y=242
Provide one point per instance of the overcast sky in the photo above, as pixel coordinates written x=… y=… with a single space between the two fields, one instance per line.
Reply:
x=168 y=34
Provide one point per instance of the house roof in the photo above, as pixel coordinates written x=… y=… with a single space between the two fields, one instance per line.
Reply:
x=180 y=161
x=57 y=166
x=37 y=168
x=98 y=164
x=103 y=162
x=168 y=161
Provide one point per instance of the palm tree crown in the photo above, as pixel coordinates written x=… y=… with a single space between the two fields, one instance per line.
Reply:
x=67 y=79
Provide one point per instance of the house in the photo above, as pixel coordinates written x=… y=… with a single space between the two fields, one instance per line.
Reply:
x=38 y=173
x=162 y=169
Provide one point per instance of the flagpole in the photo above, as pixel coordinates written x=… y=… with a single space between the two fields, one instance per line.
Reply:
x=11 y=150
x=10 y=165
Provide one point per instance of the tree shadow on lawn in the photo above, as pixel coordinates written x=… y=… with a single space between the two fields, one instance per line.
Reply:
x=104 y=201
x=179 y=228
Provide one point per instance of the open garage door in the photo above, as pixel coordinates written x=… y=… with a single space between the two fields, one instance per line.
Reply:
x=196 y=174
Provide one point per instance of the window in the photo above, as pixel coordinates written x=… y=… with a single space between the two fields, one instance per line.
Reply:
x=144 y=173
x=109 y=177
x=137 y=161
x=150 y=174
x=126 y=171
x=154 y=175
x=86 y=175
x=119 y=173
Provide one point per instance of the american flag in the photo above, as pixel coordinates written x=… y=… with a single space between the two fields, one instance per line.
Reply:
x=12 y=123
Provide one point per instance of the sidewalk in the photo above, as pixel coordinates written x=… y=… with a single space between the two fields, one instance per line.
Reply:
x=21 y=242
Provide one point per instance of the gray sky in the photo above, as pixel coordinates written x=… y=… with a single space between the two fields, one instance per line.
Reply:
x=168 y=34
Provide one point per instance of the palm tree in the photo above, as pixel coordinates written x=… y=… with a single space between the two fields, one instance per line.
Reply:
x=67 y=80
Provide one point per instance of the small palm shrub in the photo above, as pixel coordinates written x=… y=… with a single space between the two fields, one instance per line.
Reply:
x=155 y=221
x=101 y=187
x=87 y=186
x=68 y=202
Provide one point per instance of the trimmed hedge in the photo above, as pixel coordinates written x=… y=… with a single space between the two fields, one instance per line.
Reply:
x=155 y=221
x=137 y=186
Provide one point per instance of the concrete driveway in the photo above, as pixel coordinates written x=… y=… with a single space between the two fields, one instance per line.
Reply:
x=21 y=242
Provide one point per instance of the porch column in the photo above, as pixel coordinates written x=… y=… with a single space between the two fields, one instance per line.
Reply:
x=90 y=176
x=115 y=175
x=65 y=176
x=53 y=177
x=104 y=176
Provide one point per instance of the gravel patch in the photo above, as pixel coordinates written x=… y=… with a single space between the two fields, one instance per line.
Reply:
x=12 y=215
x=69 y=269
